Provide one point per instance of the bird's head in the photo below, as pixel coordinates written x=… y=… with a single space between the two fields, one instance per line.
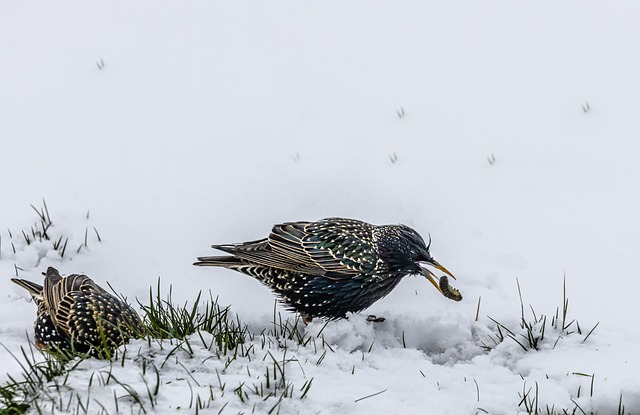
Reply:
x=409 y=254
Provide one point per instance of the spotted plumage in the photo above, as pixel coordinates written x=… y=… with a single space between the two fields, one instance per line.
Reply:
x=330 y=267
x=75 y=313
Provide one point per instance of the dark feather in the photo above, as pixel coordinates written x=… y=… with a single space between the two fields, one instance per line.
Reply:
x=74 y=312
x=330 y=267
x=45 y=331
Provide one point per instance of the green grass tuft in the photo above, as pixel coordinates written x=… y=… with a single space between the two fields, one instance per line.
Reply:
x=533 y=328
x=44 y=231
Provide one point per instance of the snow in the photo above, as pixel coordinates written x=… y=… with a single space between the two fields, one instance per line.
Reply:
x=211 y=121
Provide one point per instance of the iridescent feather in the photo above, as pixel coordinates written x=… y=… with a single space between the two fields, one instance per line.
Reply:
x=76 y=313
x=330 y=267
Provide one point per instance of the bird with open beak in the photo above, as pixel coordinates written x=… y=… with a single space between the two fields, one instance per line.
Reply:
x=333 y=266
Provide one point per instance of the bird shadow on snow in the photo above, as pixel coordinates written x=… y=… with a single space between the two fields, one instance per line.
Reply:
x=442 y=340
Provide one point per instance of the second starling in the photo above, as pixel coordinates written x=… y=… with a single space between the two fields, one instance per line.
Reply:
x=333 y=266
x=75 y=313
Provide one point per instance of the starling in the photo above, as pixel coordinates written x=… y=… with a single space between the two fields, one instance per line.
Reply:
x=76 y=314
x=333 y=266
x=46 y=333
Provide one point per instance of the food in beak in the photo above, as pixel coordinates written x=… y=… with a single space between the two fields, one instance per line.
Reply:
x=449 y=291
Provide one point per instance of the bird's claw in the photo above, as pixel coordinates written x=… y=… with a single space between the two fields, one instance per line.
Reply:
x=375 y=319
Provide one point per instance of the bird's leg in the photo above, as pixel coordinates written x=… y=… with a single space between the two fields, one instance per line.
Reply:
x=375 y=319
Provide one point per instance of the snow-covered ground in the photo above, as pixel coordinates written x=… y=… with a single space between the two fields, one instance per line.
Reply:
x=509 y=131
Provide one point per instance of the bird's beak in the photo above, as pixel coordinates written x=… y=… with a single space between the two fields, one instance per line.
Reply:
x=431 y=276
x=443 y=269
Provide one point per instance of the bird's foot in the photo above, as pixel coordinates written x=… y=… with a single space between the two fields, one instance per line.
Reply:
x=375 y=319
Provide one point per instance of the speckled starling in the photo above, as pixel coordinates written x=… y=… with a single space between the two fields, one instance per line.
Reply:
x=75 y=313
x=333 y=266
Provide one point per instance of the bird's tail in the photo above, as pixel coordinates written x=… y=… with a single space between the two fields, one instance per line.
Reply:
x=260 y=272
x=35 y=290
x=226 y=261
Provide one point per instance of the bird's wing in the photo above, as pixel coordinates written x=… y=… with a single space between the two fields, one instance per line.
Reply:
x=74 y=283
x=334 y=247
x=253 y=252
x=282 y=250
x=62 y=296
